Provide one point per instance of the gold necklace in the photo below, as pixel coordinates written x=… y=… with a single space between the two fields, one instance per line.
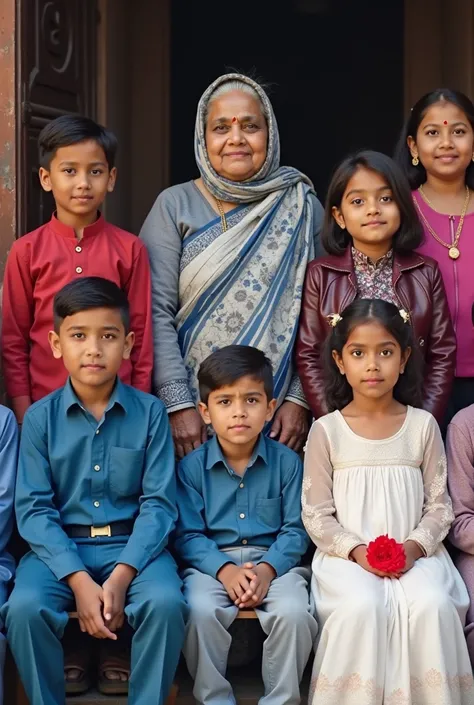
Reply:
x=453 y=250
x=222 y=215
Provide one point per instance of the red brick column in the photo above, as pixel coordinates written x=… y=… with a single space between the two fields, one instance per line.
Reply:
x=7 y=129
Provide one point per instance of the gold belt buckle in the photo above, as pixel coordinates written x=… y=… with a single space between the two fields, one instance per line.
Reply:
x=100 y=531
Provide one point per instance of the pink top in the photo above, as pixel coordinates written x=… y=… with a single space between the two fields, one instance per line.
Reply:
x=460 y=452
x=458 y=276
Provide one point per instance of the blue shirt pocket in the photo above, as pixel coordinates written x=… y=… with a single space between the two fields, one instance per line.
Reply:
x=126 y=472
x=269 y=513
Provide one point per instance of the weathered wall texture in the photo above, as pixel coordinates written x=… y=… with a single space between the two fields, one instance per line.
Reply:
x=439 y=47
x=7 y=129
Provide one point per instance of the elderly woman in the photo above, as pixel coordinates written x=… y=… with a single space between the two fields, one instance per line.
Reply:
x=228 y=254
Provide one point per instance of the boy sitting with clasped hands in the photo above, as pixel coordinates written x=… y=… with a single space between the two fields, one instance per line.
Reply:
x=95 y=499
x=239 y=534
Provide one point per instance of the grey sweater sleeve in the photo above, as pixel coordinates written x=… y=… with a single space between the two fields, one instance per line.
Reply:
x=163 y=239
x=295 y=390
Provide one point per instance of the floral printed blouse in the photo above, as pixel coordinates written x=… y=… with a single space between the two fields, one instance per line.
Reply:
x=374 y=279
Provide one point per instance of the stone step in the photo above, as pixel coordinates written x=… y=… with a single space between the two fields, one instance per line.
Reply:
x=93 y=697
x=246 y=681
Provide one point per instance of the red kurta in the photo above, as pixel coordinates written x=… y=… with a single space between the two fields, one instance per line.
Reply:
x=38 y=266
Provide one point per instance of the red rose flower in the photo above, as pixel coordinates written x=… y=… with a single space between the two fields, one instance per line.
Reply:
x=386 y=555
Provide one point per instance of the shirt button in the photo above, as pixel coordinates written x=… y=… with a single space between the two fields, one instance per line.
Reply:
x=78 y=249
x=79 y=270
x=97 y=432
x=421 y=342
x=242 y=516
x=241 y=485
x=97 y=468
x=96 y=504
x=245 y=542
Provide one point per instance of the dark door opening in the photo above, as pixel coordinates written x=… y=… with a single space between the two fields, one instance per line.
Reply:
x=335 y=69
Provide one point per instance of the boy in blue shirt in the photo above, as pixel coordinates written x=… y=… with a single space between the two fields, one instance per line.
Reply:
x=95 y=499
x=239 y=533
x=8 y=463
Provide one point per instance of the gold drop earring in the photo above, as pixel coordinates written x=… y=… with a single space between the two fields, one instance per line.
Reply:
x=415 y=161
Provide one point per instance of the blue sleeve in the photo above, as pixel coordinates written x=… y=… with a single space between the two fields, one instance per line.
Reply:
x=39 y=521
x=158 y=512
x=8 y=465
x=292 y=541
x=194 y=548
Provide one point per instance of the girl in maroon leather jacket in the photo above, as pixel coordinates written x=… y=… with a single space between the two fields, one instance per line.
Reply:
x=370 y=232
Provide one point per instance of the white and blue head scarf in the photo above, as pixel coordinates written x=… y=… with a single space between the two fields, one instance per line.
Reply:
x=270 y=177
x=244 y=285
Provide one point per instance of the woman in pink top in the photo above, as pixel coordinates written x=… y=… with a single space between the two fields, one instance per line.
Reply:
x=436 y=151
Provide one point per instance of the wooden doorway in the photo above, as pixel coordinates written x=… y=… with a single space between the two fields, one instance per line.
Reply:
x=57 y=72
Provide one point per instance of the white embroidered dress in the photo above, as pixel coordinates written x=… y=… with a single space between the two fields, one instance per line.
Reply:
x=384 y=641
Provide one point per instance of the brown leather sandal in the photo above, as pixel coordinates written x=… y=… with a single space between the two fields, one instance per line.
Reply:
x=113 y=656
x=80 y=660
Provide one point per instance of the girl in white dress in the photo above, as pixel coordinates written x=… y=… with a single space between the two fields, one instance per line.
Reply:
x=376 y=466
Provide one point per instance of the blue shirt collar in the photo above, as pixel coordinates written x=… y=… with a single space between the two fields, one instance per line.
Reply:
x=216 y=456
x=118 y=396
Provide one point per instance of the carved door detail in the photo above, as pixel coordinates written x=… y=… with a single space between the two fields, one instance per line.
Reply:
x=58 y=68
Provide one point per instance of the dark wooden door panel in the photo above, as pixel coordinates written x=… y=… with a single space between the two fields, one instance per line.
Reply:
x=58 y=68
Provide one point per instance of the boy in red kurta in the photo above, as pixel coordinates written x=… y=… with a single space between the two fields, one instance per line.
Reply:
x=77 y=164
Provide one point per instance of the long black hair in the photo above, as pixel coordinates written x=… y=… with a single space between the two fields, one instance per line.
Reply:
x=409 y=236
x=416 y=175
x=408 y=387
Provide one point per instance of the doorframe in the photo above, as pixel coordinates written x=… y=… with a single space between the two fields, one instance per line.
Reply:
x=439 y=47
x=8 y=129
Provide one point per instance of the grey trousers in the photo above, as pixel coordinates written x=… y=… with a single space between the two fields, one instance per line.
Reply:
x=285 y=616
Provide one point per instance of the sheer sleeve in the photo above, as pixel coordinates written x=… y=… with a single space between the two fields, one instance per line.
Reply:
x=319 y=512
x=438 y=513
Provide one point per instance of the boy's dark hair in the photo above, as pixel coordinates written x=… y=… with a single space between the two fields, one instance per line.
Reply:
x=338 y=390
x=88 y=293
x=416 y=175
x=227 y=365
x=71 y=129
x=335 y=240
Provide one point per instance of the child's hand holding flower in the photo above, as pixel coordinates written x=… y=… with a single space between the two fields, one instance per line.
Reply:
x=386 y=555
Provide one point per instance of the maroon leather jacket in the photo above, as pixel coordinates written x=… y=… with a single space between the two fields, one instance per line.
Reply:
x=331 y=285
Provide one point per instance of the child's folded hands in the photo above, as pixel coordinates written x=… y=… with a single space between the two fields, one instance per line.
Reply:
x=89 y=598
x=236 y=580
x=114 y=594
x=259 y=585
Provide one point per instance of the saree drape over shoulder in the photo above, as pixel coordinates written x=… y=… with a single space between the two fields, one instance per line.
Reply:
x=244 y=286
x=213 y=288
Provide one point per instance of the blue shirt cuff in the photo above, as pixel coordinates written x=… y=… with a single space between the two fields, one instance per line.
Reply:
x=213 y=562
x=65 y=564
x=279 y=563
x=129 y=557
